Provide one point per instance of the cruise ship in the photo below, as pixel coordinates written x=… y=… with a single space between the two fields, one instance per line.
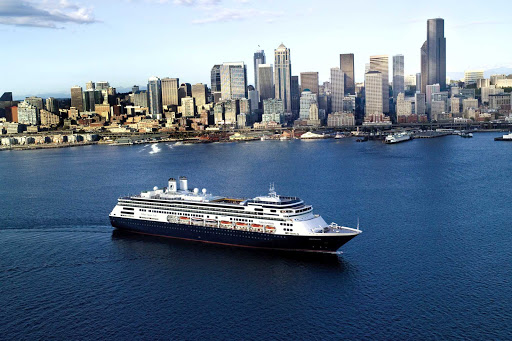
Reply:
x=397 y=138
x=267 y=222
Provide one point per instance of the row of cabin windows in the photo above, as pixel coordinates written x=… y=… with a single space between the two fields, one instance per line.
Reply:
x=180 y=212
x=288 y=230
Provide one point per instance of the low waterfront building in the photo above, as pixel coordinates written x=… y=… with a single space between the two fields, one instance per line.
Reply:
x=49 y=119
x=376 y=119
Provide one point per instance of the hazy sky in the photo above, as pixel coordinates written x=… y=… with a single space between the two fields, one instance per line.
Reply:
x=51 y=45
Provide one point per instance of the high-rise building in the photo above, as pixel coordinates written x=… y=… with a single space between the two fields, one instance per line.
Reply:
x=233 y=78
x=188 y=107
x=135 y=89
x=254 y=98
x=200 y=94
x=259 y=58
x=52 y=105
x=398 y=75
x=265 y=81
x=102 y=85
x=418 y=81
x=140 y=99
x=433 y=55
x=373 y=93
x=337 y=89
x=155 y=96
x=295 y=95
x=170 y=91
x=185 y=90
x=215 y=79
x=307 y=98
x=35 y=101
x=472 y=76
x=403 y=106
x=380 y=64
x=282 y=76
x=419 y=104
x=90 y=85
x=76 y=98
x=28 y=113
x=91 y=98
x=309 y=80
x=347 y=66
x=431 y=89
x=231 y=111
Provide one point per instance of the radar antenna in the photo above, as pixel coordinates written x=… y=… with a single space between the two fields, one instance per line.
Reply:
x=272 y=192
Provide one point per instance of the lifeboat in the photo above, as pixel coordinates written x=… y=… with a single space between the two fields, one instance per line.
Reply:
x=185 y=220
x=211 y=222
x=226 y=224
x=241 y=226
x=197 y=221
x=257 y=227
x=270 y=229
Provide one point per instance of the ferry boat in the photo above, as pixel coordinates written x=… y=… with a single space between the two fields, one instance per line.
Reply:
x=267 y=222
x=507 y=137
x=397 y=138
x=312 y=136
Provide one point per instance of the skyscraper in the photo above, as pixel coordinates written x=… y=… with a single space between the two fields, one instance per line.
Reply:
x=309 y=80
x=233 y=78
x=282 y=76
x=307 y=98
x=76 y=98
x=398 y=76
x=373 y=93
x=259 y=58
x=337 y=89
x=380 y=64
x=433 y=55
x=295 y=96
x=155 y=96
x=265 y=81
x=347 y=66
x=170 y=91
x=90 y=85
x=199 y=93
x=215 y=79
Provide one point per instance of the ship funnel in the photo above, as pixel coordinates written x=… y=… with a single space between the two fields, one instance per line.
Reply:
x=196 y=191
x=173 y=185
x=183 y=183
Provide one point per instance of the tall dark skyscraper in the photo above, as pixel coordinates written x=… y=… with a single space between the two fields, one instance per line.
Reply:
x=398 y=75
x=347 y=66
x=215 y=78
x=295 y=89
x=433 y=56
x=259 y=58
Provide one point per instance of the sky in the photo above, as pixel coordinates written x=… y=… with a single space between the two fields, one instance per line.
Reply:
x=51 y=45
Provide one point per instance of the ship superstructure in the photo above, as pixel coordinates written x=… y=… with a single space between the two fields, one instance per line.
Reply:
x=270 y=221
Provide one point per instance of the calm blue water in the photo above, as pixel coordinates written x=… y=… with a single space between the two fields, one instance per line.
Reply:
x=434 y=261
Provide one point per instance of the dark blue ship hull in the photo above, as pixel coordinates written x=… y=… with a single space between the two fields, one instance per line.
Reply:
x=323 y=244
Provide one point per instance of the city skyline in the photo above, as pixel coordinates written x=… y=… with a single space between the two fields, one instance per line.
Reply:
x=193 y=66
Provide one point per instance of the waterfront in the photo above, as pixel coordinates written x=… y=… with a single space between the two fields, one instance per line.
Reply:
x=434 y=260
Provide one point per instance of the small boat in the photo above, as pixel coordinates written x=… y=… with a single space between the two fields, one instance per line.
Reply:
x=270 y=229
x=241 y=226
x=507 y=137
x=466 y=134
x=362 y=139
x=257 y=227
x=184 y=220
x=226 y=224
x=211 y=222
x=284 y=138
x=263 y=138
x=197 y=221
x=339 y=135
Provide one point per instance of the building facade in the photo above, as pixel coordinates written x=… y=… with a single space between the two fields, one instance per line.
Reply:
x=398 y=76
x=265 y=81
x=433 y=55
x=309 y=80
x=380 y=64
x=233 y=78
x=259 y=58
x=155 y=96
x=337 y=89
x=282 y=76
x=170 y=91
x=373 y=93
x=347 y=67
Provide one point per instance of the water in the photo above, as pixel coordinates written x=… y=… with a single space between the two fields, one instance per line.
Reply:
x=434 y=260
